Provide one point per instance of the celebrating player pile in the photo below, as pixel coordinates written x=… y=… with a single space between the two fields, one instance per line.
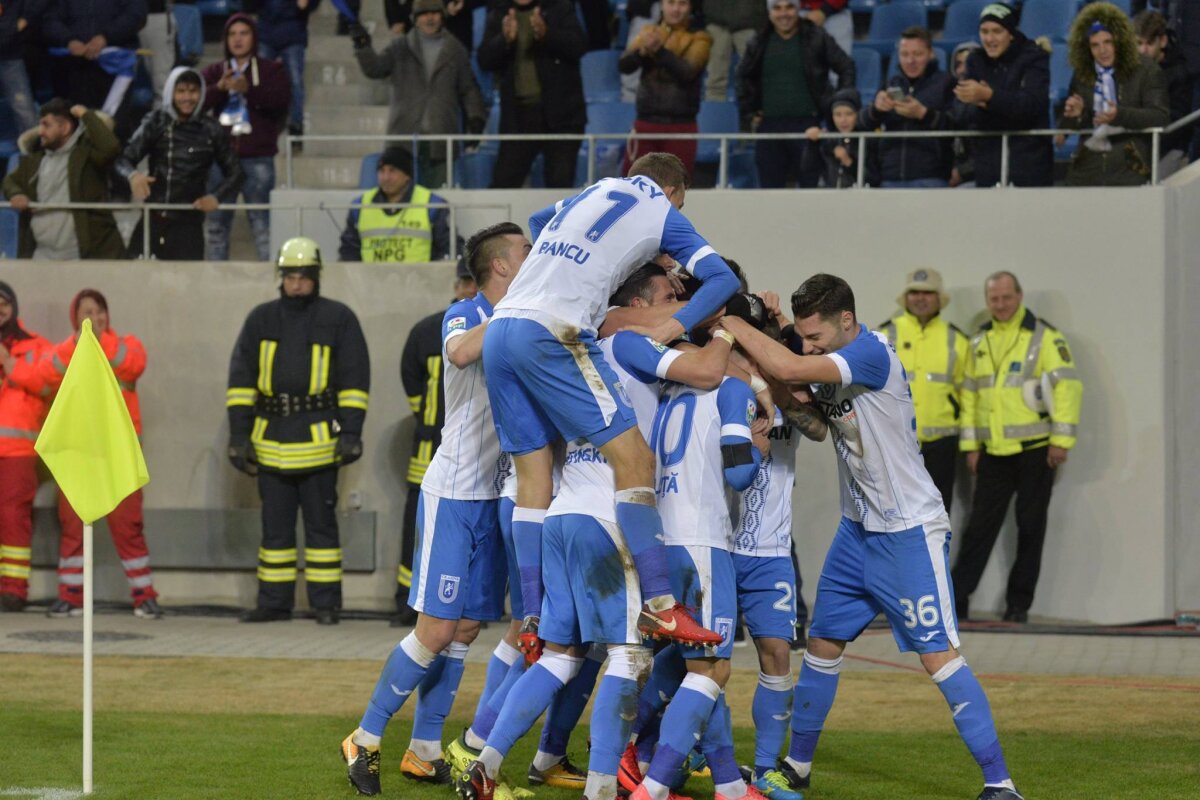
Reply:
x=641 y=421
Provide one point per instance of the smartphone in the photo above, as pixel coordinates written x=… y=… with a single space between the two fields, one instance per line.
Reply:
x=896 y=93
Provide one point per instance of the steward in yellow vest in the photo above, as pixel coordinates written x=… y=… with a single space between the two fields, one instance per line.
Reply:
x=1021 y=400
x=299 y=379
x=934 y=355
x=377 y=234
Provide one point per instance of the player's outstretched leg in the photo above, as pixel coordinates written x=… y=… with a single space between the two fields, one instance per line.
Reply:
x=681 y=725
x=527 y=540
x=973 y=717
x=612 y=718
x=551 y=766
x=423 y=760
x=811 y=701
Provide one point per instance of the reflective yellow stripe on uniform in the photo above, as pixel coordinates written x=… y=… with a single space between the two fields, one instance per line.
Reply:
x=277 y=575
x=266 y=365
x=352 y=398
x=276 y=556
x=414 y=403
x=332 y=575
x=240 y=396
x=318 y=379
x=403 y=575
x=433 y=365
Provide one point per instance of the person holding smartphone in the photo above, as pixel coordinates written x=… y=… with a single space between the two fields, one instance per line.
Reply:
x=917 y=98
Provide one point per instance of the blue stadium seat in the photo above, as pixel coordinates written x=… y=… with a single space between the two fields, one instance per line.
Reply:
x=865 y=6
x=189 y=33
x=366 y=172
x=615 y=118
x=962 y=23
x=743 y=172
x=889 y=20
x=601 y=78
x=218 y=8
x=715 y=117
x=869 y=68
x=1060 y=75
x=1124 y=5
x=894 y=63
x=486 y=81
x=1051 y=18
x=492 y=126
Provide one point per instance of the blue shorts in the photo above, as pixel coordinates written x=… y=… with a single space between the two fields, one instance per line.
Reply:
x=459 y=569
x=507 y=504
x=541 y=387
x=592 y=592
x=904 y=575
x=703 y=579
x=766 y=592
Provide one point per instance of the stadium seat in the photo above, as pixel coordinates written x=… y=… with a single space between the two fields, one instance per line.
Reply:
x=218 y=8
x=1047 y=18
x=894 y=63
x=865 y=6
x=1124 y=5
x=492 y=126
x=614 y=118
x=888 y=21
x=189 y=33
x=962 y=23
x=486 y=81
x=869 y=68
x=743 y=172
x=715 y=117
x=366 y=172
x=601 y=78
x=1060 y=75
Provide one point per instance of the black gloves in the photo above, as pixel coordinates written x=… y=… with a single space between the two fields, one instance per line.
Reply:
x=749 y=308
x=348 y=449
x=241 y=455
x=358 y=35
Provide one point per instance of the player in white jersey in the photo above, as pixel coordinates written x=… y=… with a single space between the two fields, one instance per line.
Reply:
x=548 y=379
x=458 y=575
x=889 y=553
x=591 y=589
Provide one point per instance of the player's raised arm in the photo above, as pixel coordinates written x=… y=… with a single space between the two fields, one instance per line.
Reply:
x=781 y=363
x=717 y=281
x=740 y=459
x=540 y=219
x=648 y=361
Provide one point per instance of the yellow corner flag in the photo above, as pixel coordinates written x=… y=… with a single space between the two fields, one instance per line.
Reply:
x=88 y=441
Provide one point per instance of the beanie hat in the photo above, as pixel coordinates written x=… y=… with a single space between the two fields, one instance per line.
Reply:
x=772 y=3
x=1001 y=14
x=79 y=298
x=399 y=158
x=425 y=6
x=846 y=97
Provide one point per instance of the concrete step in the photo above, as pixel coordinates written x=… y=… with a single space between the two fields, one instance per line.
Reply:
x=348 y=95
x=325 y=172
x=350 y=149
x=337 y=73
x=340 y=120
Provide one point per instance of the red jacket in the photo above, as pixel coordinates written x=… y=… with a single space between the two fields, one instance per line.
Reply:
x=125 y=354
x=828 y=6
x=23 y=395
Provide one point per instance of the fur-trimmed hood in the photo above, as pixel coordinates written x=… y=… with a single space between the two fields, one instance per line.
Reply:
x=30 y=141
x=1079 y=52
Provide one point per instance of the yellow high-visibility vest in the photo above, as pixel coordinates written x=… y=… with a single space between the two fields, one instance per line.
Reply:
x=1021 y=389
x=396 y=238
x=935 y=359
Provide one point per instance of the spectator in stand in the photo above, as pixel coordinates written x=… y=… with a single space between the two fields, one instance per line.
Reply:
x=1007 y=88
x=920 y=97
x=1114 y=89
x=732 y=25
x=66 y=160
x=418 y=234
x=14 y=80
x=963 y=172
x=283 y=35
x=834 y=17
x=432 y=84
x=127 y=357
x=159 y=38
x=85 y=28
x=534 y=47
x=840 y=156
x=1157 y=42
x=783 y=87
x=459 y=18
x=249 y=96
x=183 y=145
x=23 y=408
x=671 y=56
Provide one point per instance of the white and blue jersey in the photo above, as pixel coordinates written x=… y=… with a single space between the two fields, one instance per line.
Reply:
x=890 y=554
x=460 y=567
x=762 y=540
x=592 y=592
x=702 y=442
x=547 y=377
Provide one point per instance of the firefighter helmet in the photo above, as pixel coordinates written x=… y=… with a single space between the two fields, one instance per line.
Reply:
x=300 y=254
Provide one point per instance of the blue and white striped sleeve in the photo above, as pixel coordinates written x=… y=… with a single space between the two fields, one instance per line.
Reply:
x=717 y=282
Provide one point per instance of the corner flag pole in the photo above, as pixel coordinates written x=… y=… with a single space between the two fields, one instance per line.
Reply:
x=88 y=591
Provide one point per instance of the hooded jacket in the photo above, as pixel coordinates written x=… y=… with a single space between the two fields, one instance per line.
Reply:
x=821 y=56
x=1142 y=102
x=182 y=151
x=266 y=99
x=118 y=21
x=23 y=393
x=87 y=182
x=914 y=159
x=1020 y=80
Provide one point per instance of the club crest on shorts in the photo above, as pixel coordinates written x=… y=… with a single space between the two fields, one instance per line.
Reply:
x=724 y=628
x=448 y=588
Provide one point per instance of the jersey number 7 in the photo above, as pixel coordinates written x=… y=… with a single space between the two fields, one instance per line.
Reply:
x=622 y=204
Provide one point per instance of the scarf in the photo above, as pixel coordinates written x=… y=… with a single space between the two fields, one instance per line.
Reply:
x=1104 y=97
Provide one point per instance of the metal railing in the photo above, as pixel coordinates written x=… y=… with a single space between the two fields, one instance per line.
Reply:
x=724 y=141
x=145 y=210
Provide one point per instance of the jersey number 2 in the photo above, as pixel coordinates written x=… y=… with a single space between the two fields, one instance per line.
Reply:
x=622 y=203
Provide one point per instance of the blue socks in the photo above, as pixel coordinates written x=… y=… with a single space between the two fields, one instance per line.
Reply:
x=681 y=728
x=811 y=701
x=643 y=531
x=771 y=711
x=436 y=693
x=403 y=672
x=527 y=540
x=973 y=718
x=665 y=677
x=567 y=706
x=503 y=657
x=717 y=745
x=530 y=696
x=615 y=707
x=485 y=717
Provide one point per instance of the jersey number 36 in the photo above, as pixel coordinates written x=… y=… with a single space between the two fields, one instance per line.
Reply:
x=924 y=612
